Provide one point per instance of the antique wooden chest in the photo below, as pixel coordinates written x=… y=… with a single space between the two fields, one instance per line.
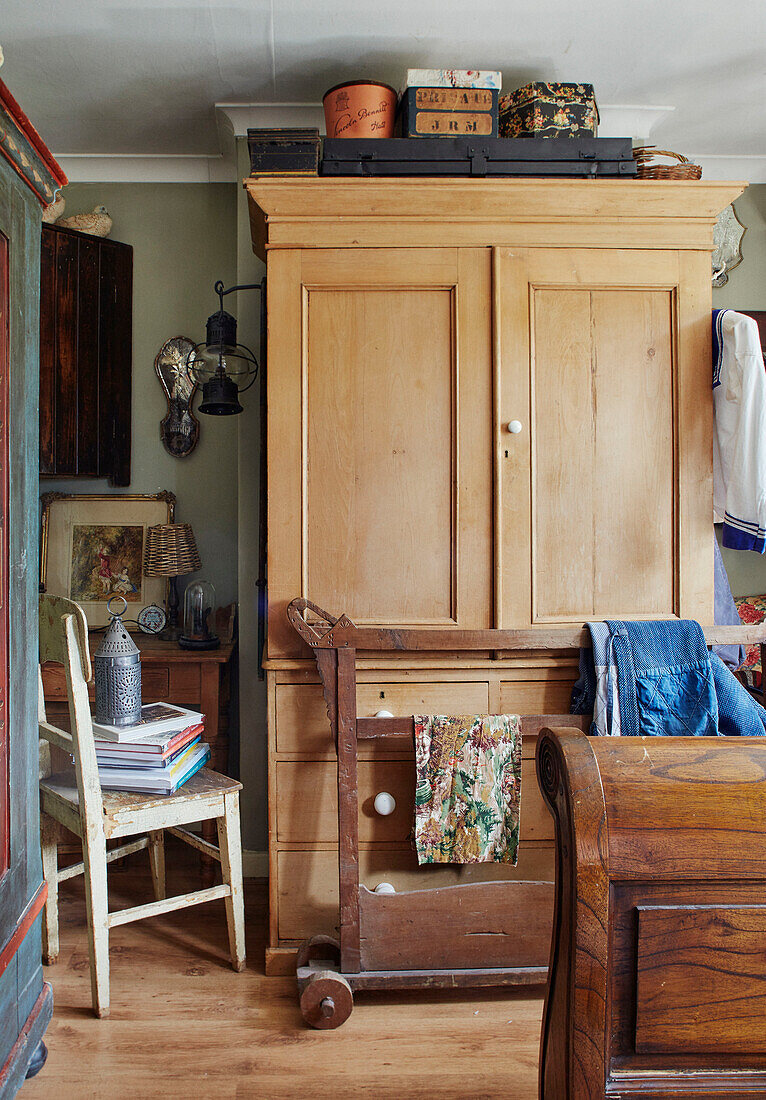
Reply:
x=284 y=152
x=479 y=157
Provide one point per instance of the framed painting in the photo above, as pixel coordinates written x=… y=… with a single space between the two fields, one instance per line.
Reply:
x=92 y=548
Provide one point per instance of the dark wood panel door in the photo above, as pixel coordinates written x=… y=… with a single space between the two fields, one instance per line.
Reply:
x=88 y=366
x=115 y=361
x=65 y=356
x=48 y=356
x=85 y=356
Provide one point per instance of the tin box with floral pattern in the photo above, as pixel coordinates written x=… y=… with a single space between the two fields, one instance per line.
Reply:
x=549 y=110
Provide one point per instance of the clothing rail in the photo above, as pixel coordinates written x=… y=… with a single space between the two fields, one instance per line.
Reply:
x=403 y=729
x=325 y=632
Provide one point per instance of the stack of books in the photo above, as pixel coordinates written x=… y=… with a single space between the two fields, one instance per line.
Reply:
x=156 y=755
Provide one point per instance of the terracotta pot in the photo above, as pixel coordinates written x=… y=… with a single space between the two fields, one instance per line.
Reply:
x=360 y=109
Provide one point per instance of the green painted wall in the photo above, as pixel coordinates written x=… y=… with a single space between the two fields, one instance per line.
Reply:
x=746 y=289
x=184 y=238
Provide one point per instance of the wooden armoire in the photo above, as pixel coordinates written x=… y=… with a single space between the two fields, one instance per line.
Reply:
x=489 y=405
x=29 y=179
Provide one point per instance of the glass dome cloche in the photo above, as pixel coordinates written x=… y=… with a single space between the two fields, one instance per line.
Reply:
x=199 y=617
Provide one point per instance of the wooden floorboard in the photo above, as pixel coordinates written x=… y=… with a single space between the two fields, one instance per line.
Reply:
x=184 y=1025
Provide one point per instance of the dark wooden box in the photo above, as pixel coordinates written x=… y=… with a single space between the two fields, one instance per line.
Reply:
x=284 y=152
x=448 y=112
x=549 y=110
x=479 y=157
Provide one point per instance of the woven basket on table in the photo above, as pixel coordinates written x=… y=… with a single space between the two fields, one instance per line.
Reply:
x=646 y=169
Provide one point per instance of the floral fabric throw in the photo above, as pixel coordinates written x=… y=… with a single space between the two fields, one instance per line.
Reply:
x=468 y=791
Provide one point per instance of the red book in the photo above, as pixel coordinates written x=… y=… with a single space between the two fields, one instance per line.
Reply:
x=155 y=746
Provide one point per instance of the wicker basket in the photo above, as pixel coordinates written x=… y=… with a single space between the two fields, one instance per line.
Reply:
x=646 y=169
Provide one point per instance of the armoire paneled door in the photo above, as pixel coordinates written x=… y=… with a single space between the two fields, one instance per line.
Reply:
x=29 y=178
x=385 y=363
x=489 y=405
x=604 y=492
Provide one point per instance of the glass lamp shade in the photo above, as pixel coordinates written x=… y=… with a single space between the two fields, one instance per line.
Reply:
x=199 y=609
x=212 y=360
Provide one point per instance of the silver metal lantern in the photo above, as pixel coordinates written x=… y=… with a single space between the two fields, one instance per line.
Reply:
x=117 y=673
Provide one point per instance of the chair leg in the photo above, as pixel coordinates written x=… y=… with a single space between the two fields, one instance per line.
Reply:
x=49 y=834
x=157 y=862
x=94 y=858
x=230 y=846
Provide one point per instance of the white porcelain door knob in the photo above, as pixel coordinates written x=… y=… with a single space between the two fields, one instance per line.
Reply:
x=384 y=888
x=385 y=803
x=383 y=714
x=514 y=427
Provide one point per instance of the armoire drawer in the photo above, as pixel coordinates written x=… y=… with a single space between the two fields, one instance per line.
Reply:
x=307 y=799
x=548 y=696
x=308 y=881
x=303 y=726
x=308 y=804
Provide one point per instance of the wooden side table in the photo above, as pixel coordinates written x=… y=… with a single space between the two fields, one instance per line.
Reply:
x=198 y=679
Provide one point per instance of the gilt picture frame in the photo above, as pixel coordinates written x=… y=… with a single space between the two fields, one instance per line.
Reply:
x=92 y=548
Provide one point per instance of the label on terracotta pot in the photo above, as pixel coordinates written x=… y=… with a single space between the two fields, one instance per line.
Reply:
x=374 y=118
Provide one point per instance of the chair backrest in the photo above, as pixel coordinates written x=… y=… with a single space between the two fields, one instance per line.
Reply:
x=64 y=639
x=52 y=648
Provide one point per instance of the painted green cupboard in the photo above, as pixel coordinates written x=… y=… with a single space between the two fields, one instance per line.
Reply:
x=29 y=179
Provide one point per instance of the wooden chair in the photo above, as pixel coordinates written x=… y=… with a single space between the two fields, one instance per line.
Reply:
x=73 y=799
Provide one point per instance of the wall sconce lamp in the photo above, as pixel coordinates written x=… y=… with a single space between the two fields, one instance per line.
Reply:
x=220 y=365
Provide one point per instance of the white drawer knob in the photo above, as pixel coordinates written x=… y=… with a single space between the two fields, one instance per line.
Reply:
x=385 y=803
x=384 y=888
x=514 y=427
x=383 y=714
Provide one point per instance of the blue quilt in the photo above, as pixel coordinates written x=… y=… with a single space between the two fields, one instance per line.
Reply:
x=657 y=679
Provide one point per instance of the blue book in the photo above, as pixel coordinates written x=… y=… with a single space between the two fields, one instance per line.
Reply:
x=120 y=760
x=149 y=780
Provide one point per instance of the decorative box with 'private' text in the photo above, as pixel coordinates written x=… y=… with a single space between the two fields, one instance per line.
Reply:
x=448 y=112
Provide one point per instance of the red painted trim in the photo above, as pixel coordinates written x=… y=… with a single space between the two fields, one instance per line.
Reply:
x=32 y=136
x=46 y=994
x=26 y=921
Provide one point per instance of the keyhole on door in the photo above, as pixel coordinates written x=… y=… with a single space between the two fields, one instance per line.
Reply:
x=382 y=694
x=506 y=454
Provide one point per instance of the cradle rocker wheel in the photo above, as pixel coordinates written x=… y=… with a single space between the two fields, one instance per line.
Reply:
x=318 y=947
x=326 y=1000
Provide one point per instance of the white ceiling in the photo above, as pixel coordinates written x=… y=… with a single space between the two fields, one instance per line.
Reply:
x=125 y=76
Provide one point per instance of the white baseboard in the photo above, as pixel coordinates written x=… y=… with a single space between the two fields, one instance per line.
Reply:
x=255 y=864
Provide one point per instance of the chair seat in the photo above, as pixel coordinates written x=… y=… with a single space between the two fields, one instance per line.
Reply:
x=197 y=800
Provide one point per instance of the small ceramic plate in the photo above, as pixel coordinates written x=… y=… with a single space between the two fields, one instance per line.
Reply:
x=152 y=619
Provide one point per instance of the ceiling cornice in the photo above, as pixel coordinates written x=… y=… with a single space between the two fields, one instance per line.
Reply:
x=240 y=117
x=749 y=167
x=146 y=168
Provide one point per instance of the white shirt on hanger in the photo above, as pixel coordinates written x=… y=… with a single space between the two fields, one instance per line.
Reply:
x=739 y=442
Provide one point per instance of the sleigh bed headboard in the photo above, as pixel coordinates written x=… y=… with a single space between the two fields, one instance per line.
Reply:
x=658 y=964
